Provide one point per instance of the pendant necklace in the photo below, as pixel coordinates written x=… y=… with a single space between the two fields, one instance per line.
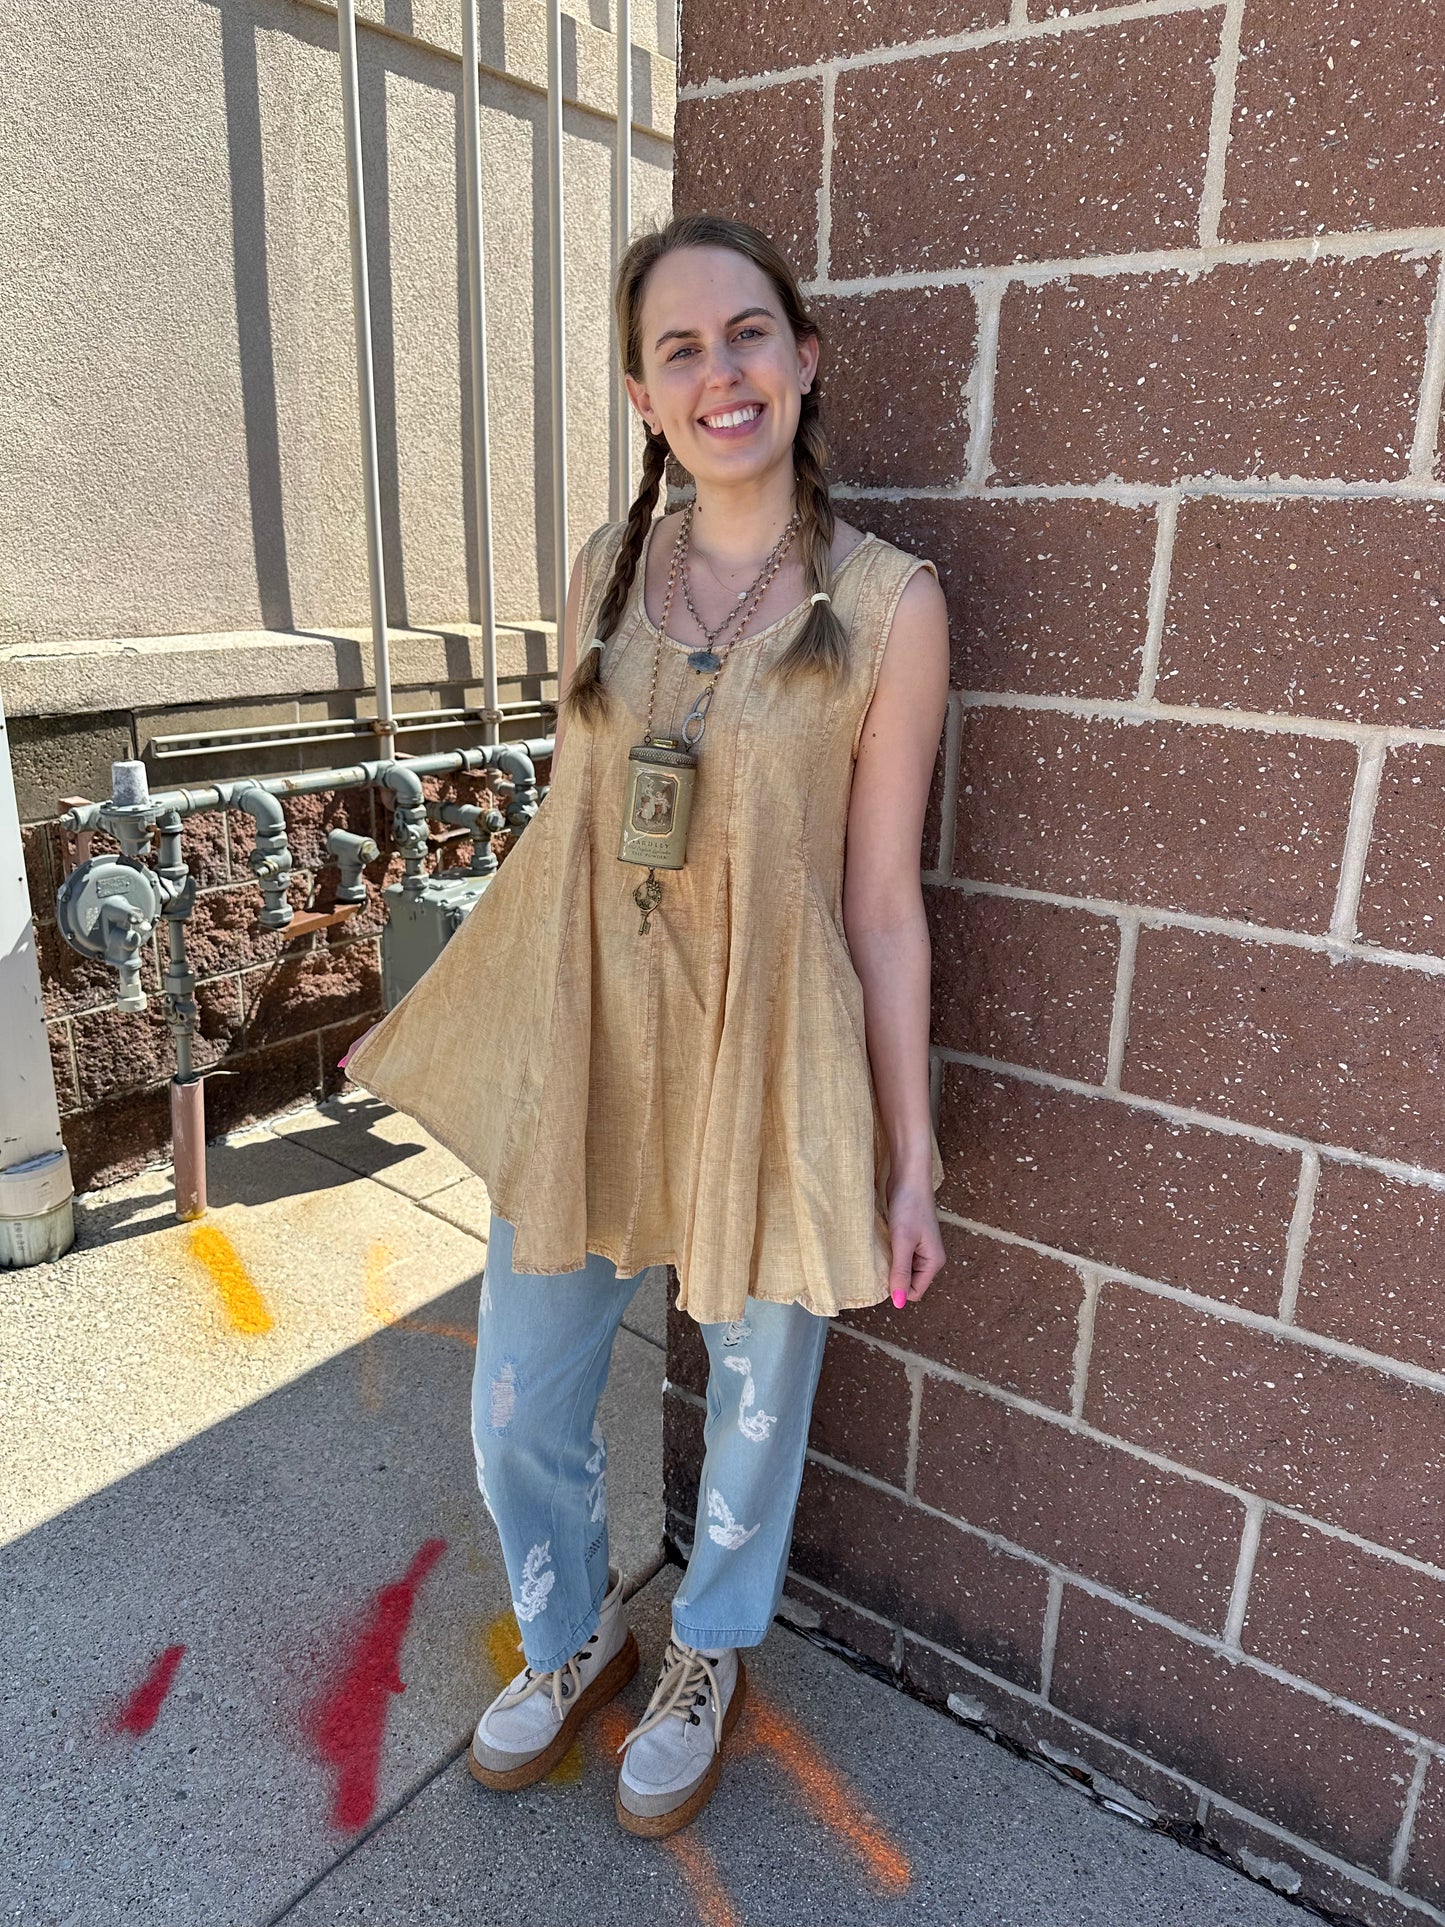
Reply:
x=661 y=770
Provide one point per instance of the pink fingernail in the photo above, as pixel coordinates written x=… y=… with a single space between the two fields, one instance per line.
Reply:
x=899 y=1300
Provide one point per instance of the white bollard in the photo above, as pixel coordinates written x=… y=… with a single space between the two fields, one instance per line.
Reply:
x=37 y=1220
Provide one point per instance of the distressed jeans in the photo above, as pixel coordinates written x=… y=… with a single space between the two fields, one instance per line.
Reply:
x=544 y=1345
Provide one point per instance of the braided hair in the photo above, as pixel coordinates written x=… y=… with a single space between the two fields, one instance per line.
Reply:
x=821 y=645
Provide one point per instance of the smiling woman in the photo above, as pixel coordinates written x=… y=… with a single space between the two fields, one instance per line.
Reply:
x=727 y=1076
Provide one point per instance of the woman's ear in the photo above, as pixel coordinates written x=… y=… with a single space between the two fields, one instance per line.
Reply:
x=808 y=361
x=642 y=402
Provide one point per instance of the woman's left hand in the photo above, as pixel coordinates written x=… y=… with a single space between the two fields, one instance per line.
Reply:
x=917 y=1242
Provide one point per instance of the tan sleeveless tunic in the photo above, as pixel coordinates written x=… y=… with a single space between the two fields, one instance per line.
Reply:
x=699 y=1096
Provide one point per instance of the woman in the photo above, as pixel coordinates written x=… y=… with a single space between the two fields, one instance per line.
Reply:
x=711 y=1053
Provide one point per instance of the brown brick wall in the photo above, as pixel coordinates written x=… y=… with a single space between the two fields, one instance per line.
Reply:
x=1135 y=323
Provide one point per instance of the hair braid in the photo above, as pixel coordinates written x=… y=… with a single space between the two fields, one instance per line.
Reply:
x=586 y=694
x=822 y=642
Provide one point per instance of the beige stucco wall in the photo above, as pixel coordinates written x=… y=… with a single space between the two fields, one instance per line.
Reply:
x=180 y=453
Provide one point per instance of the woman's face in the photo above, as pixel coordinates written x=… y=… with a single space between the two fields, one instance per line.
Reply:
x=722 y=372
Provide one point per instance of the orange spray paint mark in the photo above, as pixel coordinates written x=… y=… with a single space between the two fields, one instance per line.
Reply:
x=347 y=1725
x=140 y=1710
x=379 y=1304
x=828 y=1796
x=696 y=1865
x=245 y=1309
x=710 y=1897
x=568 y=1770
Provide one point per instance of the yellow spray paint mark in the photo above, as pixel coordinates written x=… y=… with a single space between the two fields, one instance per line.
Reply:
x=568 y=1770
x=246 y=1311
x=503 y=1643
x=379 y=1303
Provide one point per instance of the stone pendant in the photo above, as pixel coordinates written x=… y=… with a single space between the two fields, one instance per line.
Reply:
x=704 y=661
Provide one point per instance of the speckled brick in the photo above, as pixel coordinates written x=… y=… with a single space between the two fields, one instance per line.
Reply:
x=897 y=421
x=1313 y=608
x=873 y=1639
x=224 y=930
x=1223 y=822
x=42 y=873
x=758 y=37
x=117 y=1137
x=337 y=1039
x=262 y=1082
x=1045 y=598
x=1425 y=1867
x=1402 y=900
x=756 y=155
x=862 y=1409
x=1319 y=1434
x=205 y=850
x=921 y=1572
x=67 y=1092
x=996 y=1311
x=1336 y=119
x=1276 y=368
x=682 y=1453
x=309 y=991
x=1374 y=1268
x=1097 y=1179
x=1365 y=1627
x=1023 y=982
x=1041 y=1730
x=1164 y=1540
x=1037 y=149
x=1349 y=1053
x=1312 y=1768
x=1323 y=1883
x=117 y=1049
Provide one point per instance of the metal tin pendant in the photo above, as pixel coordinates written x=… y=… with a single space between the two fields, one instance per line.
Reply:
x=660 y=778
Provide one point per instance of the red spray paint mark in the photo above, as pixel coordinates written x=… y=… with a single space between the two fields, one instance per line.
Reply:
x=348 y=1724
x=139 y=1713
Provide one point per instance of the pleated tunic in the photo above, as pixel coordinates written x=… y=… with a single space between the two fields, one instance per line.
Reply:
x=699 y=1095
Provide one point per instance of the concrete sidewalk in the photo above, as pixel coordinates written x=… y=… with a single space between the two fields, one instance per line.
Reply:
x=252 y=1605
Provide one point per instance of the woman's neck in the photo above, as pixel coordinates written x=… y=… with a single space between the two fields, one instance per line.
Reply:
x=733 y=528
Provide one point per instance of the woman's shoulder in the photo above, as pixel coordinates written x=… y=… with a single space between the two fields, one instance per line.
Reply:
x=894 y=557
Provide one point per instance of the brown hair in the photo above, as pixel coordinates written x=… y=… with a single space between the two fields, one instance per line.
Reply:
x=822 y=643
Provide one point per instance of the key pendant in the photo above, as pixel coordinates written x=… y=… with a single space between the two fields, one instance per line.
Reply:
x=647 y=896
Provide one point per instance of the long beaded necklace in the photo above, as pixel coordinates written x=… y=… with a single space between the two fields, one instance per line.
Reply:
x=661 y=771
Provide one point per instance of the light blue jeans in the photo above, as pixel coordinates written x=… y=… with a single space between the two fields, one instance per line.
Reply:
x=544 y=1345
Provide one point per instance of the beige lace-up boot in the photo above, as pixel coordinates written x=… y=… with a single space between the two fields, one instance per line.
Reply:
x=535 y=1718
x=673 y=1756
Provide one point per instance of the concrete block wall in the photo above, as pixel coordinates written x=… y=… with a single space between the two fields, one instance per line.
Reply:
x=1135 y=322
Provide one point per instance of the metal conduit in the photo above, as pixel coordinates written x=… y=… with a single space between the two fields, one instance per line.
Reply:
x=555 y=290
x=622 y=426
x=477 y=312
x=365 y=382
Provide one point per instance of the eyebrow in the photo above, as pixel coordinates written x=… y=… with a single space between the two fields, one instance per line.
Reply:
x=688 y=334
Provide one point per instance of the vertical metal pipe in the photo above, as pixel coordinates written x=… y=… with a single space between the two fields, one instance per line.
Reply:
x=365 y=381
x=622 y=211
x=477 y=314
x=558 y=344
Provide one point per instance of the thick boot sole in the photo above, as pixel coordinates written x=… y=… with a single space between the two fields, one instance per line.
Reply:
x=607 y=1685
x=657 y=1826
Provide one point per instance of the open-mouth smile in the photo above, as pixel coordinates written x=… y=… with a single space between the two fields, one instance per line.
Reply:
x=732 y=424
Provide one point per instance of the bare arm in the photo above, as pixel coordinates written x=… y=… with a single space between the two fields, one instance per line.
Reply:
x=883 y=914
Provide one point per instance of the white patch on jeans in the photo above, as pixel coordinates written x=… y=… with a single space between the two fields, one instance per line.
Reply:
x=735 y=1331
x=486 y=1304
x=536 y=1584
x=597 y=1467
x=727 y=1533
x=503 y=1408
x=752 y=1425
x=482 y=1475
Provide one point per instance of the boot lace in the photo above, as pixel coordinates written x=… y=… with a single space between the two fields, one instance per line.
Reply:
x=562 y=1682
x=687 y=1679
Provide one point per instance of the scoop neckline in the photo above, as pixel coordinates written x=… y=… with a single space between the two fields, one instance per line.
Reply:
x=639 y=590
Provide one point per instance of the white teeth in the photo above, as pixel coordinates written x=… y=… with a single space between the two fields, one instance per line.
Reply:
x=733 y=420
